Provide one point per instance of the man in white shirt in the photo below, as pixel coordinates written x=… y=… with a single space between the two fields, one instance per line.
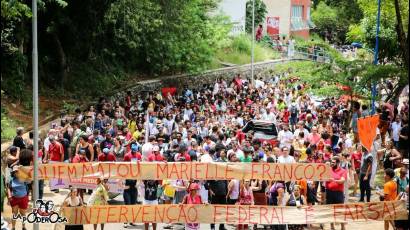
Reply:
x=269 y=116
x=285 y=137
x=147 y=148
x=348 y=142
x=187 y=112
x=259 y=83
x=47 y=142
x=206 y=157
x=235 y=149
x=285 y=157
x=208 y=143
x=300 y=129
x=396 y=127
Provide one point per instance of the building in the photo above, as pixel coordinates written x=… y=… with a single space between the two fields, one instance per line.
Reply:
x=287 y=18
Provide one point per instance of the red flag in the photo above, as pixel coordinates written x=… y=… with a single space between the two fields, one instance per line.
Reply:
x=366 y=128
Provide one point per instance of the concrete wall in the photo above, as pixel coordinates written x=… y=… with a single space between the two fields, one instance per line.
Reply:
x=197 y=80
x=281 y=9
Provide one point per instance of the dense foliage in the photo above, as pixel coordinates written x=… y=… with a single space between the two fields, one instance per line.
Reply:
x=260 y=12
x=333 y=17
x=90 y=46
x=392 y=45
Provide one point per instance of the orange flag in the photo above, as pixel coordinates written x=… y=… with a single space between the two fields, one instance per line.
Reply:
x=366 y=128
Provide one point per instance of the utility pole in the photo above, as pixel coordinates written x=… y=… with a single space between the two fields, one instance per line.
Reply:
x=376 y=54
x=35 y=106
x=253 y=42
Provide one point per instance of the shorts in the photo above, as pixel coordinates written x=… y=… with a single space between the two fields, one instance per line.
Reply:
x=334 y=197
x=21 y=202
x=150 y=202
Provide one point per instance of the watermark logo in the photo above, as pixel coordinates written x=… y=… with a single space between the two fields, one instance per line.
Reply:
x=43 y=212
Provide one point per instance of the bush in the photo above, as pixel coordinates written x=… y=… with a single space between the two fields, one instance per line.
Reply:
x=8 y=126
x=13 y=68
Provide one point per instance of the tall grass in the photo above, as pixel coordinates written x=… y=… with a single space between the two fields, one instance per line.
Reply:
x=238 y=51
x=8 y=126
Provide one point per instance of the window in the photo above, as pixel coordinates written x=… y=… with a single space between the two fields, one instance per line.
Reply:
x=309 y=21
x=297 y=22
x=297 y=12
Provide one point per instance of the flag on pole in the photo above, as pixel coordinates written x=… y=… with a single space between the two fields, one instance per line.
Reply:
x=366 y=128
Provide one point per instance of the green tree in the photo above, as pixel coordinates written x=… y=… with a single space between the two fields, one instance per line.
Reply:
x=392 y=37
x=332 y=18
x=260 y=13
x=326 y=20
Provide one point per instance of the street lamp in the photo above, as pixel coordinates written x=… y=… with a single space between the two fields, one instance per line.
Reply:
x=376 y=54
x=35 y=106
x=253 y=42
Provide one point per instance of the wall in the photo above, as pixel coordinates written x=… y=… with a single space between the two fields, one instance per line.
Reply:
x=281 y=9
x=196 y=81
x=301 y=33
x=306 y=5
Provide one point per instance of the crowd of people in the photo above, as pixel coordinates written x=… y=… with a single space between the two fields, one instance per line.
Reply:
x=205 y=125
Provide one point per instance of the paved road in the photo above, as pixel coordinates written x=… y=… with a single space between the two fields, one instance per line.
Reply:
x=59 y=197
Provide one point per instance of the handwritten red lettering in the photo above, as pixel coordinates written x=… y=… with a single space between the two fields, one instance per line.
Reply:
x=370 y=208
x=306 y=171
x=266 y=170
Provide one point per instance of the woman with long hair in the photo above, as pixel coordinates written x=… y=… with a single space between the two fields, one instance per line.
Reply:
x=99 y=196
x=73 y=200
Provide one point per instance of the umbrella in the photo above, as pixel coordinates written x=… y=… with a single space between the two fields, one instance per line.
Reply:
x=357 y=44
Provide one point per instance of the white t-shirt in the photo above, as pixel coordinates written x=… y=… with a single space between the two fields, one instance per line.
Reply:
x=238 y=152
x=285 y=138
x=305 y=131
x=206 y=158
x=259 y=84
x=288 y=159
x=396 y=127
x=146 y=150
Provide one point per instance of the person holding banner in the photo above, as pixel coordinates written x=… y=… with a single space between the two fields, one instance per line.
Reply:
x=335 y=186
x=245 y=198
x=99 y=196
x=389 y=192
x=192 y=198
x=73 y=200
x=150 y=198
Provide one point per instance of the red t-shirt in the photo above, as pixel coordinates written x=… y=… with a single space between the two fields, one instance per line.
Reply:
x=130 y=157
x=336 y=175
x=185 y=155
x=357 y=157
x=285 y=117
x=78 y=159
x=153 y=157
x=106 y=157
x=240 y=136
x=56 y=151
x=327 y=155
